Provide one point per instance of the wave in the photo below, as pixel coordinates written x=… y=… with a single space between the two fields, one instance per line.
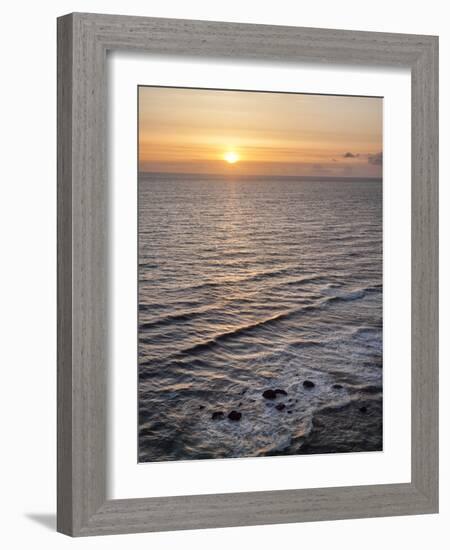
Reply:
x=374 y=288
x=356 y=295
x=239 y=331
x=254 y=277
x=174 y=317
x=249 y=328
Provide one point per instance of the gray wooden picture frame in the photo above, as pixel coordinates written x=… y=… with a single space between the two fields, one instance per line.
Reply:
x=83 y=41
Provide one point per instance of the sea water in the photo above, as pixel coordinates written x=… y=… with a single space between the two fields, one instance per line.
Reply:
x=255 y=283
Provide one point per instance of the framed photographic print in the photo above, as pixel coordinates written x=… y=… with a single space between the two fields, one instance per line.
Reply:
x=247 y=274
x=260 y=274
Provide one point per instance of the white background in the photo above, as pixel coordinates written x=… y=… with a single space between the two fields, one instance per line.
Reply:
x=28 y=299
x=131 y=480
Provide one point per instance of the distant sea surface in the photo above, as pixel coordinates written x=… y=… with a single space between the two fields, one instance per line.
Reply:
x=255 y=284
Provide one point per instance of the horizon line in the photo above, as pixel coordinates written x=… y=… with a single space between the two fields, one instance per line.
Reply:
x=218 y=174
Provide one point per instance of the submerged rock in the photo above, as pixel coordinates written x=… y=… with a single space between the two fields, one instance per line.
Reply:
x=269 y=394
x=280 y=406
x=217 y=415
x=363 y=409
x=235 y=415
x=201 y=407
x=308 y=384
x=337 y=386
x=280 y=392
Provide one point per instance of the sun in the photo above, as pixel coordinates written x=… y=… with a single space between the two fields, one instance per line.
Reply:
x=231 y=157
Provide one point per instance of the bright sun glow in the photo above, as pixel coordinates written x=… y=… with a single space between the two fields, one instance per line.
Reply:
x=231 y=157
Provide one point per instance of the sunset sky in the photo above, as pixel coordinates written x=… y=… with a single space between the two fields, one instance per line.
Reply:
x=245 y=133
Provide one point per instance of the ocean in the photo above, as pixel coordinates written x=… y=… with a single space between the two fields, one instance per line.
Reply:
x=249 y=284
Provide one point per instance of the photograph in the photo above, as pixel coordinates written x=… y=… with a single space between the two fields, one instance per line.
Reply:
x=260 y=274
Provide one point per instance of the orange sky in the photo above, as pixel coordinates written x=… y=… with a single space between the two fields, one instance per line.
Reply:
x=190 y=130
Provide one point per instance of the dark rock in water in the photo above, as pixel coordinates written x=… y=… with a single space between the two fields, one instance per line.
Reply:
x=269 y=394
x=244 y=391
x=280 y=406
x=289 y=412
x=217 y=415
x=308 y=384
x=201 y=407
x=235 y=415
x=344 y=428
x=337 y=386
x=280 y=392
x=240 y=405
x=363 y=409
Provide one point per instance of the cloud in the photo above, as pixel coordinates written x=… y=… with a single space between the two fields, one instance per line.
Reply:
x=349 y=155
x=375 y=158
